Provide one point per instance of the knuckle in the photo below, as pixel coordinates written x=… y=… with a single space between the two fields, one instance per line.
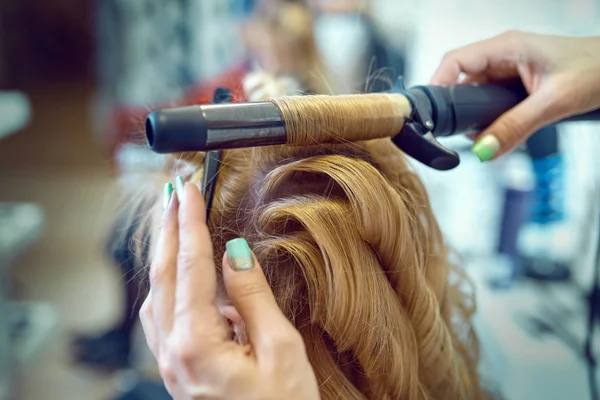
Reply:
x=182 y=352
x=167 y=372
x=157 y=274
x=516 y=40
x=185 y=259
x=248 y=289
x=190 y=256
x=186 y=224
x=449 y=56
x=189 y=226
x=287 y=341
x=513 y=34
x=146 y=310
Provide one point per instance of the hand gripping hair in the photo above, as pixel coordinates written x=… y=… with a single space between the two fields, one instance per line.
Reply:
x=350 y=247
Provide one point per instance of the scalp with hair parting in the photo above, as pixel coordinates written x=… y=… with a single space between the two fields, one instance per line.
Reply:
x=355 y=258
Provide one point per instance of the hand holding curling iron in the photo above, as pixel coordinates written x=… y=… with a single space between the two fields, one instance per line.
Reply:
x=561 y=75
x=559 y=80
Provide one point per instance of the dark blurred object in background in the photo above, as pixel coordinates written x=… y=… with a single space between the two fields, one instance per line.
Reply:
x=45 y=41
x=548 y=253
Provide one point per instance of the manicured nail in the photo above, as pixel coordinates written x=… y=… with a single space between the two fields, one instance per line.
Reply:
x=486 y=147
x=179 y=188
x=167 y=193
x=239 y=255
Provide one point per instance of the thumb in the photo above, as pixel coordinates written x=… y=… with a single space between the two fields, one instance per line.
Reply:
x=251 y=295
x=517 y=124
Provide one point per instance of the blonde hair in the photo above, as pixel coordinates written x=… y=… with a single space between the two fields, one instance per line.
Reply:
x=354 y=256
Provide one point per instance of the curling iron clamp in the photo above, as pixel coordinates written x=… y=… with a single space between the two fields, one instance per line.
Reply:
x=428 y=112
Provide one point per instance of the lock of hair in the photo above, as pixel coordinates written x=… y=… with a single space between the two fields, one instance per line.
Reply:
x=343 y=118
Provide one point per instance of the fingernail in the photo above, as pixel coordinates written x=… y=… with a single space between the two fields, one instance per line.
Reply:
x=167 y=193
x=486 y=147
x=179 y=188
x=239 y=255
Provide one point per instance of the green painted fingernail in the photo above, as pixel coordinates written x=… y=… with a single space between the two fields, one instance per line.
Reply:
x=486 y=147
x=179 y=188
x=167 y=193
x=239 y=255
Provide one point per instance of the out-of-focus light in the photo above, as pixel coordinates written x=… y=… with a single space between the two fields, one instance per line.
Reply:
x=14 y=112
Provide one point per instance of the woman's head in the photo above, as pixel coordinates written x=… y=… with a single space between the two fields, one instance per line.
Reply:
x=281 y=40
x=276 y=35
x=356 y=261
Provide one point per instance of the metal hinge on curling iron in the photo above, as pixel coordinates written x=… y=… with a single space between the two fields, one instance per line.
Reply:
x=416 y=138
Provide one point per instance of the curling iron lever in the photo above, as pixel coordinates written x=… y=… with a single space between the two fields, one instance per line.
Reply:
x=457 y=109
x=416 y=138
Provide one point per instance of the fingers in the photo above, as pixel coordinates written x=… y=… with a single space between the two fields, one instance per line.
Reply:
x=516 y=125
x=499 y=58
x=475 y=78
x=495 y=57
x=248 y=290
x=196 y=290
x=162 y=271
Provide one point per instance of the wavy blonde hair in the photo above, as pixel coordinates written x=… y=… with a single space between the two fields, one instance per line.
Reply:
x=354 y=256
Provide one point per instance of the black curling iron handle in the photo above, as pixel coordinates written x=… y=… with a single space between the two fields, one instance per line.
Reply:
x=462 y=109
x=468 y=108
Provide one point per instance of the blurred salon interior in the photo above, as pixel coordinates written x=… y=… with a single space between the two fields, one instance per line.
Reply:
x=77 y=78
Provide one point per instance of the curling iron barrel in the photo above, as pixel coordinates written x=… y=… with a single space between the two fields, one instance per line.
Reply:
x=292 y=120
x=214 y=126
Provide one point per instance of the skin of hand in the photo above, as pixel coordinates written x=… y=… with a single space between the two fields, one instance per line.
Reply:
x=186 y=330
x=561 y=75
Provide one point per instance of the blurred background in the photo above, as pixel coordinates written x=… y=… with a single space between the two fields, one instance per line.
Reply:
x=77 y=78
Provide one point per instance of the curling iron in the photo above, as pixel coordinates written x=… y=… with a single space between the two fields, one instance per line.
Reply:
x=430 y=112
